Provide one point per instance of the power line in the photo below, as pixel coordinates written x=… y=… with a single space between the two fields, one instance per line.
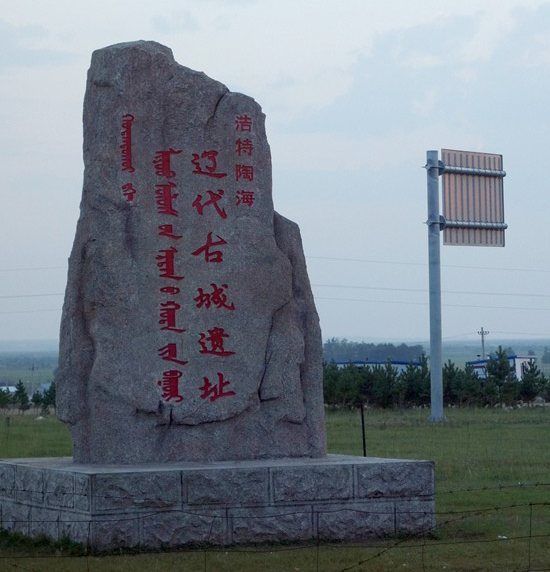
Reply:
x=30 y=311
x=388 y=289
x=485 y=307
x=424 y=290
x=425 y=264
x=32 y=269
x=31 y=295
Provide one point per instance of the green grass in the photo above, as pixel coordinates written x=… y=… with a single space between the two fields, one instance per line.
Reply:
x=33 y=435
x=493 y=499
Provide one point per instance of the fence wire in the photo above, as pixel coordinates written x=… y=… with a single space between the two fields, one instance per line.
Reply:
x=452 y=532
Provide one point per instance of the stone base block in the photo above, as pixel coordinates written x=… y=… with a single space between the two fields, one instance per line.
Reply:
x=336 y=497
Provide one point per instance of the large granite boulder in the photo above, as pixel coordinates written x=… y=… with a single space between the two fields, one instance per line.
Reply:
x=189 y=330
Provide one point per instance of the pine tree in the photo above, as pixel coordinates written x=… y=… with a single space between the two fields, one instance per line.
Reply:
x=36 y=399
x=502 y=384
x=21 y=397
x=532 y=382
x=48 y=399
x=5 y=398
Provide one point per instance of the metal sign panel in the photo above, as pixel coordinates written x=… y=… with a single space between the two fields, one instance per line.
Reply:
x=473 y=204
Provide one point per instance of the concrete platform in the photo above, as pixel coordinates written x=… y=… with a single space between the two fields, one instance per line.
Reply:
x=336 y=498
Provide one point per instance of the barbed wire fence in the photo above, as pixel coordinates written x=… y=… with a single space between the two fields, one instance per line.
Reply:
x=528 y=521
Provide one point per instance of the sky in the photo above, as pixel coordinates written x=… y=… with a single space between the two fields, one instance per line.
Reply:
x=355 y=93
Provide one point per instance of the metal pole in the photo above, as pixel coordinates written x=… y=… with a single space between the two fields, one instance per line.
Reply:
x=363 y=430
x=434 y=228
x=483 y=333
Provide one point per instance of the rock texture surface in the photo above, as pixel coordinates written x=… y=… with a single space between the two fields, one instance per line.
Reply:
x=334 y=498
x=189 y=330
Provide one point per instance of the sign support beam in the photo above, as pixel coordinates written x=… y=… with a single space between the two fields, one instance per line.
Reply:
x=435 y=224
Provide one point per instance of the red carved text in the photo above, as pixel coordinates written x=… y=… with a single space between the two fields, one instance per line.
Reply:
x=245 y=198
x=211 y=255
x=126 y=146
x=170 y=385
x=214 y=392
x=208 y=160
x=161 y=162
x=244 y=172
x=216 y=298
x=168 y=316
x=214 y=342
x=170 y=353
x=165 y=199
x=166 y=263
x=212 y=201
x=243 y=123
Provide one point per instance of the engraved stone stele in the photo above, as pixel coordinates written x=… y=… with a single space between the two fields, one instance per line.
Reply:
x=190 y=355
x=189 y=331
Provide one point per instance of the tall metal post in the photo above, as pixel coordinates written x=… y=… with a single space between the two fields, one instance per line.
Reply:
x=483 y=333
x=434 y=229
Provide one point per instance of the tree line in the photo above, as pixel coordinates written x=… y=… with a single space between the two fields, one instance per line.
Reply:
x=385 y=386
x=337 y=349
x=20 y=399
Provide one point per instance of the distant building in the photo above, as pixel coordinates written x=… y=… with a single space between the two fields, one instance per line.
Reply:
x=8 y=388
x=518 y=364
x=398 y=364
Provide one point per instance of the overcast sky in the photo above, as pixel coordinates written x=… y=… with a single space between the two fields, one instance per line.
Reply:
x=355 y=92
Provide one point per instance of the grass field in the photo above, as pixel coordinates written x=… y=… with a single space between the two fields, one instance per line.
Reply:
x=493 y=499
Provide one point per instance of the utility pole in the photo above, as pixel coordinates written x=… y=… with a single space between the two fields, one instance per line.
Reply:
x=483 y=333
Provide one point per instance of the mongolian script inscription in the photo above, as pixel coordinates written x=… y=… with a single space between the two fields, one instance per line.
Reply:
x=169 y=201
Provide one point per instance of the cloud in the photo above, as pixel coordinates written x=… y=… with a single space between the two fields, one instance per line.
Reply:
x=15 y=53
x=178 y=21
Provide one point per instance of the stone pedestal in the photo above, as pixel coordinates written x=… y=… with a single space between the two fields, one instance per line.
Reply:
x=335 y=498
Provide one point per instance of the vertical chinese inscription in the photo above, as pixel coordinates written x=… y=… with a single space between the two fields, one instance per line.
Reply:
x=210 y=203
x=244 y=167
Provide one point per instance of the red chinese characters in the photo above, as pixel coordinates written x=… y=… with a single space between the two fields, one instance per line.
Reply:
x=216 y=298
x=206 y=164
x=212 y=201
x=245 y=198
x=209 y=254
x=244 y=147
x=214 y=392
x=244 y=172
x=243 y=123
x=214 y=343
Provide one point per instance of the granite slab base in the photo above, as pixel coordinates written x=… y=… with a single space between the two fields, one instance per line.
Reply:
x=333 y=498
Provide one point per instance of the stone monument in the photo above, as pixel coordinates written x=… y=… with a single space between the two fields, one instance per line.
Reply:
x=190 y=366
x=189 y=330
